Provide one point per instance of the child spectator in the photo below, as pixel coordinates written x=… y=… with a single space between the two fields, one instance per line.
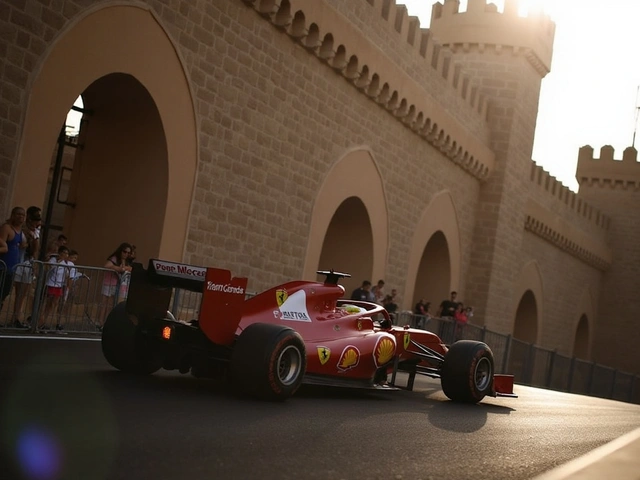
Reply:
x=56 y=279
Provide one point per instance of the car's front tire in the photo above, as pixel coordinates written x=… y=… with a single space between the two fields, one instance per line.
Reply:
x=467 y=372
x=268 y=361
x=122 y=347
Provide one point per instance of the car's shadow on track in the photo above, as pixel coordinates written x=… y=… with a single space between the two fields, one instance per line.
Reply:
x=463 y=418
x=169 y=388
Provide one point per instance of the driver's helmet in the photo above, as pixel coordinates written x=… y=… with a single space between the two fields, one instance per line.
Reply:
x=351 y=309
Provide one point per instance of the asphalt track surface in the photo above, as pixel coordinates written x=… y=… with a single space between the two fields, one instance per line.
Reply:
x=65 y=414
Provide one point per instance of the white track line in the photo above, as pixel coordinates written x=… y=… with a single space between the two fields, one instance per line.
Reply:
x=607 y=458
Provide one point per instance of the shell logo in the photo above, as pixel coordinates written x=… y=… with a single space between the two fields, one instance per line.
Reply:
x=384 y=351
x=323 y=354
x=281 y=296
x=349 y=359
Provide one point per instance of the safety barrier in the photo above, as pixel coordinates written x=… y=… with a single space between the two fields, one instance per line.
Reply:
x=87 y=296
x=89 y=293
x=49 y=297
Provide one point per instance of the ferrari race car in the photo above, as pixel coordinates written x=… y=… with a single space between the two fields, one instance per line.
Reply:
x=271 y=343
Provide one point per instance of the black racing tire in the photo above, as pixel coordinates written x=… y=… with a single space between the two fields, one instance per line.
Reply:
x=268 y=361
x=467 y=372
x=121 y=345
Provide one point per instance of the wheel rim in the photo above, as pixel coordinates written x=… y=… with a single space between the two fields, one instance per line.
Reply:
x=482 y=374
x=289 y=365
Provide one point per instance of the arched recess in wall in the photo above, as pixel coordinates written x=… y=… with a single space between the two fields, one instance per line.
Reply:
x=349 y=224
x=582 y=338
x=128 y=65
x=435 y=255
x=529 y=293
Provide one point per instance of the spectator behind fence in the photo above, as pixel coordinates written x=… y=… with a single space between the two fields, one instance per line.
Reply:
x=461 y=319
x=363 y=293
x=389 y=302
x=117 y=263
x=13 y=243
x=132 y=257
x=378 y=292
x=70 y=286
x=24 y=273
x=52 y=251
x=421 y=310
x=448 y=307
x=56 y=279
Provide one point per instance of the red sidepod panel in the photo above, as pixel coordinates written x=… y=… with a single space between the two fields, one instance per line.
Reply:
x=338 y=342
x=406 y=336
x=356 y=357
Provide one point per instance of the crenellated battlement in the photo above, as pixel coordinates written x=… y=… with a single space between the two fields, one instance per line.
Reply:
x=327 y=34
x=430 y=52
x=606 y=171
x=553 y=187
x=482 y=27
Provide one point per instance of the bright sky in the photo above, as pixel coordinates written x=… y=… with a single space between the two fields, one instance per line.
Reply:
x=590 y=95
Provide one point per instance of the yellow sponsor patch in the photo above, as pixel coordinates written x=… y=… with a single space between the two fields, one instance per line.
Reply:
x=281 y=296
x=407 y=340
x=349 y=359
x=323 y=354
x=384 y=351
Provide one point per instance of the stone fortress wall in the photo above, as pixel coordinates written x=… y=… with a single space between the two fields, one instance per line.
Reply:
x=285 y=92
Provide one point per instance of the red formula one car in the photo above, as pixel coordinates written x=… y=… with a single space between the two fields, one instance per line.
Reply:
x=298 y=332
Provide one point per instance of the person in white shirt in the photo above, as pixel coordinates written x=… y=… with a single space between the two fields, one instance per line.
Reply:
x=57 y=275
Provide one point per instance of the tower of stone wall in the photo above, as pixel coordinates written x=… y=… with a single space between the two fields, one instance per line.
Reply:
x=508 y=56
x=614 y=186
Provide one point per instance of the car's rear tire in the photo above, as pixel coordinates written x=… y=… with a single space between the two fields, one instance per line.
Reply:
x=122 y=347
x=268 y=361
x=467 y=371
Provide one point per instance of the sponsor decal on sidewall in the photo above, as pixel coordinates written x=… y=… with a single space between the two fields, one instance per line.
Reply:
x=293 y=307
x=384 y=351
x=226 y=288
x=349 y=359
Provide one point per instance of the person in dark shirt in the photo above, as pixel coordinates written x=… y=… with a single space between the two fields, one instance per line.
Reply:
x=448 y=307
x=363 y=293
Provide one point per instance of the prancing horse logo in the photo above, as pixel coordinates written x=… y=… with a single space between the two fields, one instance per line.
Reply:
x=281 y=296
x=323 y=354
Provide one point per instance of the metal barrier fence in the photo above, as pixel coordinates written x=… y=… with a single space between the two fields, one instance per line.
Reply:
x=89 y=293
x=86 y=295
x=62 y=298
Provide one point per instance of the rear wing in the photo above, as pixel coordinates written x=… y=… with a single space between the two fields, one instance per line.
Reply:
x=222 y=302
